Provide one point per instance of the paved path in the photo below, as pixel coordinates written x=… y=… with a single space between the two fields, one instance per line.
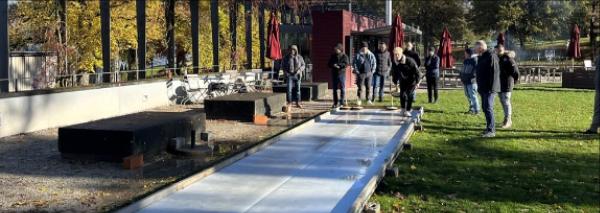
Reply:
x=322 y=167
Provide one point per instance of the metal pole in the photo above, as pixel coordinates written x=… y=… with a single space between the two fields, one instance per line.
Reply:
x=261 y=33
x=141 y=31
x=248 y=15
x=195 y=48
x=388 y=12
x=4 y=47
x=214 y=19
x=62 y=14
x=170 y=21
x=105 y=29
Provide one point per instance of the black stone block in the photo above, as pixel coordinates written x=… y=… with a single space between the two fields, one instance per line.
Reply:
x=305 y=92
x=146 y=133
x=244 y=106
x=319 y=89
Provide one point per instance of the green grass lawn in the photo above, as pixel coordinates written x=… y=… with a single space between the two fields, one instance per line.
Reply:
x=543 y=164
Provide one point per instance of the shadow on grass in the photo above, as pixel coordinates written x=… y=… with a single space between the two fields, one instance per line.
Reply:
x=477 y=170
x=552 y=89
x=555 y=133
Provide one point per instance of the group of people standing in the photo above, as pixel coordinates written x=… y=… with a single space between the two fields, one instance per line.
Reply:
x=372 y=69
x=489 y=73
x=485 y=72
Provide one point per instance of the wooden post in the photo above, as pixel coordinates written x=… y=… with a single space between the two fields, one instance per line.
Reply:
x=141 y=31
x=195 y=38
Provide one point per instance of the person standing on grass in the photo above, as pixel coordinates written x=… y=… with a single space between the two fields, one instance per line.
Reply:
x=384 y=65
x=338 y=62
x=409 y=51
x=293 y=66
x=407 y=72
x=467 y=76
x=509 y=75
x=487 y=72
x=365 y=64
x=596 y=119
x=432 y=74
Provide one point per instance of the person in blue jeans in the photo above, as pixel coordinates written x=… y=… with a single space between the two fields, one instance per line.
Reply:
x=487 y=73
x=384 y=65
x=467 y=76
x=338 y=63
x=293 y=66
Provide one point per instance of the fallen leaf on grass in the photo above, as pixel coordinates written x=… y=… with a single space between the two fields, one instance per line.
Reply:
x=399 y=196
x=17 y=204
x=40 y=203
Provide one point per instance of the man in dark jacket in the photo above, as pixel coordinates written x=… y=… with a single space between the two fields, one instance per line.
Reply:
x=467 y=76
x=364 y=66
x=412 y=54
x=406 y=71
x=293 y=66
x=509 y=74
x=488 y=83
x=409 y=51
x=338 y=63
x=384 y=65
x=432 y=68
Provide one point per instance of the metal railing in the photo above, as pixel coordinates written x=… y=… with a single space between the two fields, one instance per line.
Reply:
x=45 y=81
x=527 y=74
x=48 y=81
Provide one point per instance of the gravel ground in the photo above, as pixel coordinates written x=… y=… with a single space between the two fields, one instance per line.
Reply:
x=34 y=177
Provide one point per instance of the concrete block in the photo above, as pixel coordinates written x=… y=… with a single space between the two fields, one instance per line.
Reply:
x=305 y=91
x=244 y=106
x=318 y=89
x=113 y=139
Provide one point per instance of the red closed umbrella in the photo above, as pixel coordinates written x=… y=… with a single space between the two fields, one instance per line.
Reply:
x=574 y=50
x=501 y=39
x=273 y=44
x=396 y=34
x=445 y=50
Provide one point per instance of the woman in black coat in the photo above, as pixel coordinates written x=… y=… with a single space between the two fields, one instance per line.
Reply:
x=405 y=70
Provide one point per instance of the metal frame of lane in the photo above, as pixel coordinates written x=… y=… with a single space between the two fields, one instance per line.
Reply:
x=310 y=161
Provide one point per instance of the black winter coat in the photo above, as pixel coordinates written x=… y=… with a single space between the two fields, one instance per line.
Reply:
x=341 y=60
x=408 y=73
x=488 y=73
x=509 y=73
x=414 y=55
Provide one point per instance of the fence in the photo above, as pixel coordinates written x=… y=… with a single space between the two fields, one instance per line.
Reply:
x=527 y=74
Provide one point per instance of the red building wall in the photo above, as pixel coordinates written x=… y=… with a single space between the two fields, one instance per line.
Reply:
x=330 y=28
